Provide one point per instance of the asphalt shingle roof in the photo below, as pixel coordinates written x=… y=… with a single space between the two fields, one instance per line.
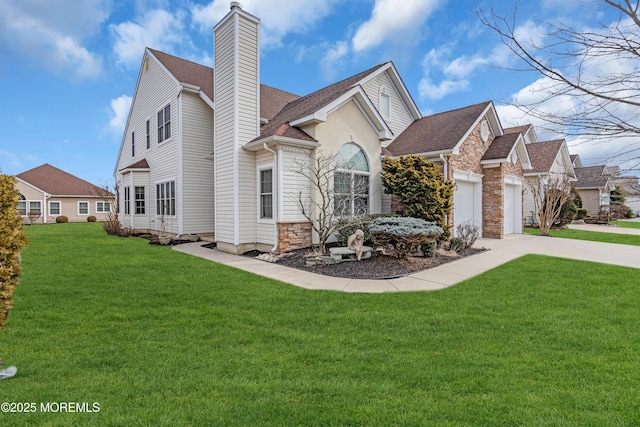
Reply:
x=57 y=182
x=438 y=132
x=543 y=154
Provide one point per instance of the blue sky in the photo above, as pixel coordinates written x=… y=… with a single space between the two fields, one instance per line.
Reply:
x=68 y=68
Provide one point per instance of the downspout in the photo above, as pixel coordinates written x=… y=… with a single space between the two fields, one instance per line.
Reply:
x=275 y=192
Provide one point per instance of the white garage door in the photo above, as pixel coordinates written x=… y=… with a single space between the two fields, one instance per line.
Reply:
x=512 y=209
x=465 y=204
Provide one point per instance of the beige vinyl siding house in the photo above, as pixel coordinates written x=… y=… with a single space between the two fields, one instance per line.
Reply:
x=48 y=192
x=235 y=146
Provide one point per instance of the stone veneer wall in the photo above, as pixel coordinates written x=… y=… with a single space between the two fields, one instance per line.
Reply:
x=493 y=203
x=293 y=235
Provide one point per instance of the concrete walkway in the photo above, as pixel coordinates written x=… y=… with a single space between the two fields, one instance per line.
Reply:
x=501 y=251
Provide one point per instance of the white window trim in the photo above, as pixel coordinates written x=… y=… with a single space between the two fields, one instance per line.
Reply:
x=59 y=207
x=135 y=206
x=360 y=173
x=168 y=103
x=88 y=208
x=103 y=211
x=155 y=200
x=261 y=220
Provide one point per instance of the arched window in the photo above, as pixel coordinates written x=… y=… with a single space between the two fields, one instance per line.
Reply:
x=351 y=181
x=385 y=97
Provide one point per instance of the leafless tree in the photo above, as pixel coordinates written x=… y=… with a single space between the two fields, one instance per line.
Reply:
x=334 y=194
x=595 y=73
x=549 y=195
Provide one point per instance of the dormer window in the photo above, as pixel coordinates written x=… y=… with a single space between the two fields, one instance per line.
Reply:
x=385 y=102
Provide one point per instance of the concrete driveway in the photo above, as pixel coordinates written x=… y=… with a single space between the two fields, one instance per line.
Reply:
x=501 y=251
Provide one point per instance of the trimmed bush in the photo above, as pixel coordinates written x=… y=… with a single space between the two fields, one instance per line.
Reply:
x=12 y=240
x=91 y=218
x=456 y=244
x=62 y=219
x=581 y=213
x=345 y=227
x=401 y=235
x=429 y=249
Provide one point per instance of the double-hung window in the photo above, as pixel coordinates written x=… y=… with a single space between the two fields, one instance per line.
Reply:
x=83 y=208
x=35 y=207
x=266 y=193
x=22 y=206
x=166 y=198
x=139 y=197
x=164 y=123
x=54 y=208
x=103 y=207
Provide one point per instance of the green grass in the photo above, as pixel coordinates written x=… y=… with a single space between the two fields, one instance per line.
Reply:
x=160 y=338
x=594 y=236
x=626 y=224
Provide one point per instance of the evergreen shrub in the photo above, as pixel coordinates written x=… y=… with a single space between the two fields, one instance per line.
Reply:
x=401 y=235
x=62 y=219
x=91 y=218
x=12 y=240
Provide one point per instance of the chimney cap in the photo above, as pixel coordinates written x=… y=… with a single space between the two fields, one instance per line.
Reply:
x=235 y=4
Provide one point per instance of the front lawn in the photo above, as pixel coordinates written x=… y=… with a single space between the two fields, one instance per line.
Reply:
x=594 y=236
x=626 y=224
x=157 y=337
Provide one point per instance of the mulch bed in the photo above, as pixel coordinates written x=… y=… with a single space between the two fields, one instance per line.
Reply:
x=377 y=267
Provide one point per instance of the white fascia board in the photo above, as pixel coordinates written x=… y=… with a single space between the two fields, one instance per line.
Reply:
x=481 y=116
x=523 y=154
x=400 y=86
x=362 y=102
x=46 y=195
x=128 y=170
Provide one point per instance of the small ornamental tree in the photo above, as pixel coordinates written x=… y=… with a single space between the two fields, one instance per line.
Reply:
x=618 y=196
x=421 y=188
x=12 y=240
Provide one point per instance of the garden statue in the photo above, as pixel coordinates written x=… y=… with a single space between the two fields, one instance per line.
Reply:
x=355 y=243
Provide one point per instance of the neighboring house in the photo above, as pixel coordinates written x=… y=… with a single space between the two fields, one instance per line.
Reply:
x=485 y=164
x=631 y=188
x=594 y=185
x=185 y=138
x=47 y=192
x=551 y=163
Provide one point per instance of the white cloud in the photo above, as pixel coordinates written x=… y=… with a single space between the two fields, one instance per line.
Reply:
x=332 y=58
x=392 y=19
x=277 y=17
x=52 y=33
x=157 y=29
x=119 y=113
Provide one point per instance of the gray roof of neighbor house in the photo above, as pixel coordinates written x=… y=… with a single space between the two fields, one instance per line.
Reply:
x=57 y=182
x=272 y=100
x=543 y=154
x=629 y=185
x=438 y=132
x=592 y=177
x=501 y=147
x=517 y=129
